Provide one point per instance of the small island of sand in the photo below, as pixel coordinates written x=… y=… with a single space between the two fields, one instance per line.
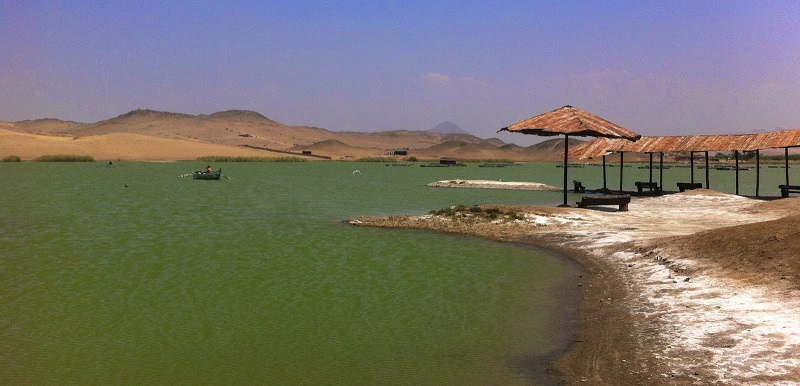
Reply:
x=488 y=184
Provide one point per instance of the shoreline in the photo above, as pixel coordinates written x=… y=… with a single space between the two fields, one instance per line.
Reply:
x=593 y=354
x=651 y=313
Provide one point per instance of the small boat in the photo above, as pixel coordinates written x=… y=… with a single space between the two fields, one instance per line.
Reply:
x=214 y=175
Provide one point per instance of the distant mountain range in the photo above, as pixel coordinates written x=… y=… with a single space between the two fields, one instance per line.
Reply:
x=238 y=128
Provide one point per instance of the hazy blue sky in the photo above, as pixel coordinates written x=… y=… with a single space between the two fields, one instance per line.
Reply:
x=655 y=67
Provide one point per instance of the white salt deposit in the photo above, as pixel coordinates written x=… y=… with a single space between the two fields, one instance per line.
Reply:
x=740 y=334
x=489 y=184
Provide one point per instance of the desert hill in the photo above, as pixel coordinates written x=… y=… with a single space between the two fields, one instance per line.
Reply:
x=244 y=132
x=115 y=146
x=552 y=145
x=239 y=115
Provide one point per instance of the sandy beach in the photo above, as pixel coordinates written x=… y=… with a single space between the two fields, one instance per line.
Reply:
x=699 y=287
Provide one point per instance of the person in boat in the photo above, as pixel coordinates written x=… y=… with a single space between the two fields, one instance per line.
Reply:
x=208 y=169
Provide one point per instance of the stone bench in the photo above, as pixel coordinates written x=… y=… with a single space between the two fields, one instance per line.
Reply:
x=579 y=188
x=786 y=189
x=621 y=200
x=651 y=186
x=684 y=186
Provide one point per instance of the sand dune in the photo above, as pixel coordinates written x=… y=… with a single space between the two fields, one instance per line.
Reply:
x=124 y=146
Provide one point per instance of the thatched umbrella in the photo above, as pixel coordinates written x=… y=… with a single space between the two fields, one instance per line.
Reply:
x=570 y=121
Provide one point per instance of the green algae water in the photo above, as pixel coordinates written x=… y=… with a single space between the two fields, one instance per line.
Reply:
x=127 y=274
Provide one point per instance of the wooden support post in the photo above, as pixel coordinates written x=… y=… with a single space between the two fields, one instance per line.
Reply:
x=758 y=170
x=566 y=155
x=786 y=158
x=707 y=179
x=621 y=168
x=736 y=158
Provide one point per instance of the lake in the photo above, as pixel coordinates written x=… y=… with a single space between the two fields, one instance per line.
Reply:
x=127 y=274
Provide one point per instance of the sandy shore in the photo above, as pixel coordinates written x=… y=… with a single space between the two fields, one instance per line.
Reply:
x=672 y=298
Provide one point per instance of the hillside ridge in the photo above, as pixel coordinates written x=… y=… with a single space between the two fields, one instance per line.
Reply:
x=239 y=128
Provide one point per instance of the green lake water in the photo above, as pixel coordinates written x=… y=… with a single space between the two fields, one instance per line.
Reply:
x=127 y=274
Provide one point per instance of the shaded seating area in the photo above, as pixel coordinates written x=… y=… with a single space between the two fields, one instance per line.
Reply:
x=611 y=138
x=569 y=121
x=692 y=144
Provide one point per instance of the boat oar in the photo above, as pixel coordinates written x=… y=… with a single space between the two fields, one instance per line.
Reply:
x=184 y=175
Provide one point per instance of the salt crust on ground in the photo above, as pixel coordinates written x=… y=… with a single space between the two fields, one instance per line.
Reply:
x=740 y=334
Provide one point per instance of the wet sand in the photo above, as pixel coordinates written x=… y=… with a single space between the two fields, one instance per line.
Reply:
x=671 y=298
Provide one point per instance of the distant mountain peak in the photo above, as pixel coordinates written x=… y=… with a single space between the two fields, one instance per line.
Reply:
x=448 y=127
x=239 y=115
x=140 y=114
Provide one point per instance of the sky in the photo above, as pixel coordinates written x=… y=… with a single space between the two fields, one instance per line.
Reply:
x=654 y=67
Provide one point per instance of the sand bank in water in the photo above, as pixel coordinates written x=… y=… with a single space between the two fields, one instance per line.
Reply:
x=488 y=184
x=687 y=319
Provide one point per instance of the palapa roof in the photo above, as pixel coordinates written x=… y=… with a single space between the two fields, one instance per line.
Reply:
x=727 y=142
x=569 y=120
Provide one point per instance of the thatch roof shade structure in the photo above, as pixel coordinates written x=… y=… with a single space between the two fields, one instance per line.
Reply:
x=693 y=143
x=687 y=143
x=568 y=121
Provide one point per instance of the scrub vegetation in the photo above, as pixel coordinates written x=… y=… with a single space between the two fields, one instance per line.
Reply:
x=475 y=210
x=64 y=158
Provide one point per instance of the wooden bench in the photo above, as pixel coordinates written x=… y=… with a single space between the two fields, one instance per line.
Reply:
x=652 y=186
x=579 y=188
x=684 y=186
x=621 y=200
x=786 y=189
